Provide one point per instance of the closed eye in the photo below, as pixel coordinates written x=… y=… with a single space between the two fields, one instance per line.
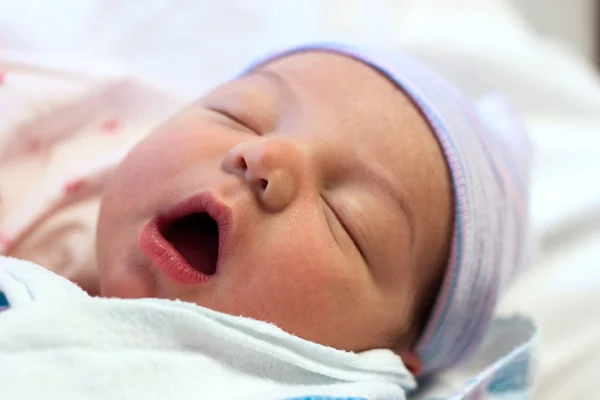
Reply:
x=346 y=229
x=232 y=119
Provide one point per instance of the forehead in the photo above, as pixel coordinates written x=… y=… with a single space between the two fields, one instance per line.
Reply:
x=344 y=83
x=343 y=91
x=361 y=107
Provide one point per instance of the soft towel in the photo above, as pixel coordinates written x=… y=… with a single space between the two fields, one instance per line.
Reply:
x=58 y=342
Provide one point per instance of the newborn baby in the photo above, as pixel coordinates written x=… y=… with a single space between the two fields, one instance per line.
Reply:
x=352 y=203
x=353 y=199
x=310 y=193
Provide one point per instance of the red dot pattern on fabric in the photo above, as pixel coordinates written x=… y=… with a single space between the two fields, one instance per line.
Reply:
x=110 y=126
x=33 y=145
x=2 y=76
x=74 y=186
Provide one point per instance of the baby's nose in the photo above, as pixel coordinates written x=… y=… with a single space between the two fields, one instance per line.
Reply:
x=271 y=167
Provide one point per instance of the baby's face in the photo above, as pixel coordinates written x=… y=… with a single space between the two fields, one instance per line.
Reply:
x=309 y=193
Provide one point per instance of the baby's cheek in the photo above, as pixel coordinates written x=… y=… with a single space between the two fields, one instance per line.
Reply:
x=323 y=304
x=313 y=287
x=157 y=157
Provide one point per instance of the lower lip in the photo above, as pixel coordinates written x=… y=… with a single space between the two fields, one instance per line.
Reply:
x=166 y=258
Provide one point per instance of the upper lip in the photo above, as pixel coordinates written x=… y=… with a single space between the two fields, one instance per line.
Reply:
x=205 y=202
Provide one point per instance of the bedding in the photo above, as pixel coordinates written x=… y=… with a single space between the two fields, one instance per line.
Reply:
x=63 y=128
x=179 y=347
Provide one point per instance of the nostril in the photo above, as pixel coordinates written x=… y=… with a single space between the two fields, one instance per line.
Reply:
x=263 y=183
x=241 y=164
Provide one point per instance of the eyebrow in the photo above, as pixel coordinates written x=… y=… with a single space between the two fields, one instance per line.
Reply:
x=280 y=82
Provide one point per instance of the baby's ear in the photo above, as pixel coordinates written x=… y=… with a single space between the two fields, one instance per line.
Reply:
x=412 y=361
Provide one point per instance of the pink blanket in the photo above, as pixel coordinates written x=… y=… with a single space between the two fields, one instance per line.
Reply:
x=63 y=128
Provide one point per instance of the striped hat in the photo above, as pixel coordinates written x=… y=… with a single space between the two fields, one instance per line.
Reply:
x=488 y=155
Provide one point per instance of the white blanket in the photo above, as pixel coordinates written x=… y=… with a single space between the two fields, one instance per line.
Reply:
x=56 y=342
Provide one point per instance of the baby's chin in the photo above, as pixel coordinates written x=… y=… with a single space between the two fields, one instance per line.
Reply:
x=86 y=277
x=125 y=280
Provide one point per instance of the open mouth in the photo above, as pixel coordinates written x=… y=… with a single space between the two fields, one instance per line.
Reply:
x=186 y=242
x=196 y=238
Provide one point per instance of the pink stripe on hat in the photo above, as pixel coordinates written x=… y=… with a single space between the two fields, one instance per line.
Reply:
x=488 y=154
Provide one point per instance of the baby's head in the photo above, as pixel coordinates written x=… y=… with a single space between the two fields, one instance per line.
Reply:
x=323 y=193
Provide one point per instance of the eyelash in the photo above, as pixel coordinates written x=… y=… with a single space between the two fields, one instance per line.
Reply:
x=233 y=118
x=346 y=229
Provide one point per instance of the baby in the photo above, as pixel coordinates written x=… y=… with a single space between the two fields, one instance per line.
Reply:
x=353 y=203
x=353 y=199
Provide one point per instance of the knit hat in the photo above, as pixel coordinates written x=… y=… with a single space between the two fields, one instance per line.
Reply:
x=488 y=155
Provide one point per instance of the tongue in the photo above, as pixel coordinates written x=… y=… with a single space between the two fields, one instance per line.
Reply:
x=196 y=238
